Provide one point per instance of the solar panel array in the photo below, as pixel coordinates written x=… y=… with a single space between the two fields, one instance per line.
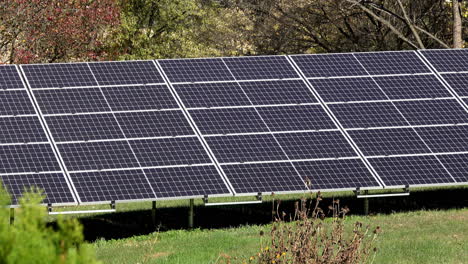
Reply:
x=164 y=129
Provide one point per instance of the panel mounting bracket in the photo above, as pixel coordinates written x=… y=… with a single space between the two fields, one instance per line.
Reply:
x=258 y=197
x=365 y=193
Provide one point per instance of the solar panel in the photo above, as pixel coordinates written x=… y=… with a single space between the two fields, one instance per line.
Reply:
x=126 y=72
x=169 y=151
x=410 y=170
x=84 y=127
x=448 y=60
x=100 y=186
x=329 y=65
x=53 y=184
x=71 y=101
x=225 y=121
x=348 y=89
x=336 y=174
x=124 y=134
x=211 y=94
x=15 y=103
x=312 y=145
x=9 y=78
x=186 y=181
x=59 y=75
x=393 y=141
x=401 y=62
x=245 y=148
x=278 y=92
x=24 y=129
x=97 y=155
x=147 y=97
x=264 y=177
x=195 y=70
x=432 y=112
x=457 y=165
x=364 y=115
x=302 y=117
x=154 y=124
x=445 y=138
x=458 y=82
x=27 y=158
x=412 y=87
x=260 y=67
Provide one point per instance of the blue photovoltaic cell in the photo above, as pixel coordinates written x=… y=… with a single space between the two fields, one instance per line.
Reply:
x=84 y=127
x=412 y=170
x=402 y=62
x=112 y=185
x=364 y=115
x=304 y=117
x=154 y=124
x=211 y=94
x=329 y=65
x=53 y=184
x=245 y=148
x=196 y=70
x=335 y=174
x=15 y=103
x=260 y=67
x=59 y=75
x=21 y=130
x=432 y=112
x=392 y=141
x=147 y=97
x=27 y=158
x=348 y=89
x=126 y=72
x=9 y=78
x=278 y=92
x=447 y=60
x=225 y=121
x=186 y=181
x=457 y=165
x=70 y=101
x=445 y=138
x=169 y=151
x=311 y=145
x=97 y=155
x=264 y=177
x=458 y=81
x=412 y=87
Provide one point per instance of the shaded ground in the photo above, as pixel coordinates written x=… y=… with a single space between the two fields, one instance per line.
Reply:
x=138 y=222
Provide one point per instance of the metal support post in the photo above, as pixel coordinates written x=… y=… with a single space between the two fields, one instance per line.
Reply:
x=12 y=216
x=366 y=203
x=190 y=216
x=153 y=213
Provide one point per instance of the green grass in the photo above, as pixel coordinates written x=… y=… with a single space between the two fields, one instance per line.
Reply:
x=414 y=237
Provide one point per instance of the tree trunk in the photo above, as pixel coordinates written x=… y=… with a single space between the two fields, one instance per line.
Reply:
x=457 y=25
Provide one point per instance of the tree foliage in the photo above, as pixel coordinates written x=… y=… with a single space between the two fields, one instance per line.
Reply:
x=54 y=30
x=30 y=240
x=72 y=30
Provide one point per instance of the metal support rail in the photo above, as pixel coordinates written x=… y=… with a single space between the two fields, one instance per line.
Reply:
x=112 y=210
x=258 y=201
x=358 y=192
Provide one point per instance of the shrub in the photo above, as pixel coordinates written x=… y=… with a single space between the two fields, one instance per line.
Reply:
x=30 y=240
x=312 y=238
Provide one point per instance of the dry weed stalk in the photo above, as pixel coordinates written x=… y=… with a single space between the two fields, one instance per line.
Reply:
x=309 y=239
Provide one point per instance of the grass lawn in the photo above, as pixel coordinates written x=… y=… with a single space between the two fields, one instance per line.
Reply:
x=411 y=237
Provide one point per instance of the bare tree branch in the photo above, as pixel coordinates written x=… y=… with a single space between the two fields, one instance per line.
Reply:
x=432 y=36
x=410 y=25
x=385 y=22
